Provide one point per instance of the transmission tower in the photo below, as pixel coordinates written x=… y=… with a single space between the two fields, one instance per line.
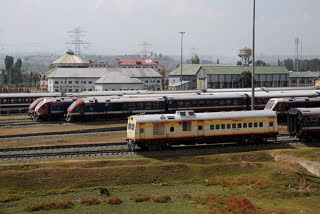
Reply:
x=297 y=63
x=76 y=39
x=145 y=49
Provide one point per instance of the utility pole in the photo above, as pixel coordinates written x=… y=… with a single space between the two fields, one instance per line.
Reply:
x=181 y=57
x=253 y=53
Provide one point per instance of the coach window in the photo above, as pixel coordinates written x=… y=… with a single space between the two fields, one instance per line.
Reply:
x=234 y=125
x=271 y=124
x=229 y=102
x=200 y=128
x=141 y=131
x=250 y=125
x=235 y=102
x=239 y=125
x=218 y=126
x=223 y=126
x=228 y=126
x=186 y=126
x=255 y=125
x=222 y=102
x=148 y=106
x=211 y=127
x=245 y=125
x=261 y=124
x=171 y=129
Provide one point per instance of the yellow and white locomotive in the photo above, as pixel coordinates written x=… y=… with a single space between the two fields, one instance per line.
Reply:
x=186 y=127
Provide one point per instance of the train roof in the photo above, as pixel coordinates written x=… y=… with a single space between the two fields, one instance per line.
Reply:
x=295 y=99
x=120 y=99
x=61 y=99
x=105 y=93
x=190 y=115
x=206 y=96
x=305 y=111
x=13 y=95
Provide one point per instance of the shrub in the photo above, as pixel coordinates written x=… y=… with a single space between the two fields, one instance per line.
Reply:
x=240 y=205
x=10 y=198
x=186 y=196
x=50 y=205
x=90 y=201
x=161 y=198
x=104 y=192
x=140 y=197
x=114 y=200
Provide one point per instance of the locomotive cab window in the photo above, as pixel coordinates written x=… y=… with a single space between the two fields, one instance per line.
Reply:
x=141 y=130
x=171 y=129
x=271 y=124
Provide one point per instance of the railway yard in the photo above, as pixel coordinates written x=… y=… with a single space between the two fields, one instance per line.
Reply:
x=59 y=162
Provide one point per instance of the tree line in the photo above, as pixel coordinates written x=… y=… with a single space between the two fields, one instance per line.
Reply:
x=13 y=75
x=301 y=65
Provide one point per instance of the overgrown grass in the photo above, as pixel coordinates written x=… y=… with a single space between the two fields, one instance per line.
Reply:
x=49 y=205
x=140 y=197
x=161 y=198
x=114 y=200
x=245 y=180
x=89 y=201
x=309 y=153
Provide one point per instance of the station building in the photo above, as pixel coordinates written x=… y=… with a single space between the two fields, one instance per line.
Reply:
x=306 y=78
x=226 y=76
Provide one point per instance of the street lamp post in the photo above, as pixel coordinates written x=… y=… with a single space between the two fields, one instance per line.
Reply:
x=181 y=57
x=253 y=51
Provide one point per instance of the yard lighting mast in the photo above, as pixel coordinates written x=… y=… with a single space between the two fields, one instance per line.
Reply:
x=253 y=53
x=181 y=58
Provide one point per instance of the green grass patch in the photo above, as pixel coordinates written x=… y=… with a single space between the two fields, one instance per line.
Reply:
x=309 y=153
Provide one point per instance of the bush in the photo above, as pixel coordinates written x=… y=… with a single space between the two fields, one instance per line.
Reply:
x=114 y=200
x=140 y=197
x=90 y=201
x=104 y=192
x=186 y=196
x=161 y=198
x=50 y=205
x=10 y=198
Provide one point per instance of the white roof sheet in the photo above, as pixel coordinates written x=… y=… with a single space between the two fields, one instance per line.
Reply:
x=7 y=95
x=205 y=116
x=117 y=78
x=77 y=73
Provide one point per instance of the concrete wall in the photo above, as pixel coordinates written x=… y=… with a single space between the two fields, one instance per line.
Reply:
x=71 y=84
x=118 y=87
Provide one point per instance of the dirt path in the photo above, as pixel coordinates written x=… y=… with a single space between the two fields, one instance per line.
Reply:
x=312 y=166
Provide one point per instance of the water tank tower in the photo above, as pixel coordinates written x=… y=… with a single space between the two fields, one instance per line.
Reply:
x=245 y=54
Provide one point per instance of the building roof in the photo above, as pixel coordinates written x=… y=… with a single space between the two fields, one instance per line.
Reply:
x=129 y=62
x=192 y=69
x=187 y=69
x=310 y=74
x=114 y=77
x=76 y=72
x=240 y=69
x=136 y=72
x=70 y=60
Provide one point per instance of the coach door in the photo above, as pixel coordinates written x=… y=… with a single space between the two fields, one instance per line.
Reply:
x=200 y=128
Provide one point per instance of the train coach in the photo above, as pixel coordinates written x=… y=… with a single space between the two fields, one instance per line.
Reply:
x=282 y=105
x=52 y=108
x=159 y=131
x=304 y=123
x=108 y=107
x=19 y=102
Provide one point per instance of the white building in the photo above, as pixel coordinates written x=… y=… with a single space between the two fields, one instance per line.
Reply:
x=117 y=81
x=151 y=79
x=74 y=79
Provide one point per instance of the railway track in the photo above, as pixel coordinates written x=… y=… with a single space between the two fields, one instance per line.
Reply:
x=119 y=149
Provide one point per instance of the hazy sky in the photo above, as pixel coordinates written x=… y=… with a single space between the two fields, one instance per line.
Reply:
x=213 y=27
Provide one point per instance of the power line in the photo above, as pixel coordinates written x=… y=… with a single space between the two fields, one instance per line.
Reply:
x=145 y=49
x=77 y=34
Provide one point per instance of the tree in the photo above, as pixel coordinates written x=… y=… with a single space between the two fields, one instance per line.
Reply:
x=239 y=63
x=218 y=62
x=260 y=63
x=195 y=59
x=8 y=61
x=245 y=79
x=16 y=72
x=289 y=64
